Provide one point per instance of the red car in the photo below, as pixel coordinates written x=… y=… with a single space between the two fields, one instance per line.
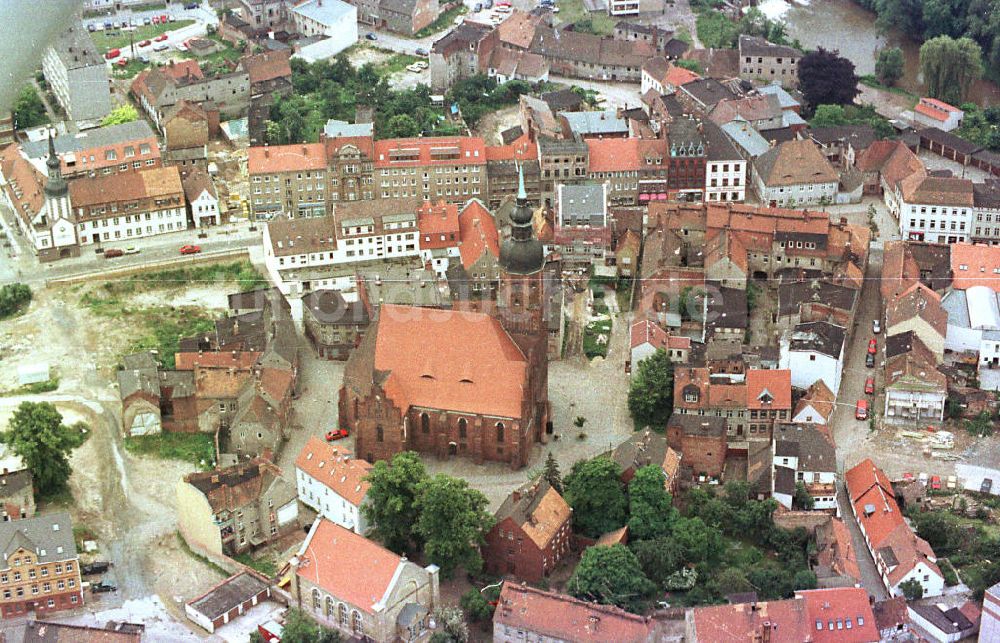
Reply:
x=190 y=250
x=121 y=62
x=861 y=410
x=872 y=346
x=145 y=43
x=908 y=477
x=336 y=434
x=114 y=53
x=870 y=386
x=156 y=20
x=936 y=483
x=161 y=37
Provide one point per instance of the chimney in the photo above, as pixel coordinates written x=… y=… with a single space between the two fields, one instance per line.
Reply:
x=595 y=622
x=515 y=495
x=215 y=479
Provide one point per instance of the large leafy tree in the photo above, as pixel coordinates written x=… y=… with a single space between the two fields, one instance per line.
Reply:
x=13 y=298
x=651 y=395
x=392 y=499
x=595 y=492
x=889 y=65
x=37 y=434
x=826 y=78
x=611 y=575
x=700 y=542
x=125 y=113
x=452 y=522
x=950 y=67
x=658 y=558
x=651 y=513
x=29 y=110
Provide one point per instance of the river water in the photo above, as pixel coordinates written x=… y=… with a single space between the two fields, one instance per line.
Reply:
x=849 y=28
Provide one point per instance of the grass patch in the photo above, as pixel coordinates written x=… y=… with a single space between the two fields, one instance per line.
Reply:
x=395 y=63
x=948 y=571
x=120 y=39
x=61 y=497
x=82 y=533
x=47 y=386
x=216 y=62
x=193 y=554
x=684 y=34
x=443 y=21
x=716 y=30
x=592 y=346
x=573 y=12
x=196 y=448
x=166 y=326
x=624 y=295
x=266 y=565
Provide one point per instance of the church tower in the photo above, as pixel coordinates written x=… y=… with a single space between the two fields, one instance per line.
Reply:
x=521 y=297
x=56 y=190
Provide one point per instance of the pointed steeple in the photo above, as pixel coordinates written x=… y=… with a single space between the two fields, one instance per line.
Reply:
x=522 y=194
x=56 y=186
x=522 y=253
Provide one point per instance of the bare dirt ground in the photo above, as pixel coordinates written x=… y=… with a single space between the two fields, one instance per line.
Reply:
x=490 y=126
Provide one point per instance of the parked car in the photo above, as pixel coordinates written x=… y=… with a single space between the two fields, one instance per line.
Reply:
x=908 y=477
x=488 y=4
x=145 y=43
x=872 y=346
x=91 y=27
x=336 y=434
x=107 y=25
x=952 y=482
x=114 y=53
x=146 y=21
x=870 y=360
x=370 y=36
x=161 y=37
x=161 y=47
x=156 y=20
x=122 y=62
x=96 y=567
x=870 y=386
x=986 y=485
x=861 y=410
x=111 y=253
x=415 y=68
x=191 y=5
x=936 y=483
x=190 y=250
x=102 y=587
x=421 y=51
x=922 y=478
x=131 y=250
x=876 y=326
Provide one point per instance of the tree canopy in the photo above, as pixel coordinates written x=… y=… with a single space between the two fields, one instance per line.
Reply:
x=651 y=394
x=452 y=522
x=37 y=434
x=950 y=67
x=29 y=110
x=833 y=115
x=124 y=113
x=651 y=513
x=612 y=576
x=982 y=127
x=551 y=473
x=595 y=492
x=391 y=509
x=889 y=66
x=826 y=78
x=13 y=299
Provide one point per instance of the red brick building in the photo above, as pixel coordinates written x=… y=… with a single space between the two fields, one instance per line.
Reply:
x=40 y=572
x=701 y=441
x=531 y=534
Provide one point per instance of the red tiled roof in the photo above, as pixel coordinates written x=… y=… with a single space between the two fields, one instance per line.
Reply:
x=830 y=610
x=975 y=265
x=766 y=620
x=776 y=382
x=561 y=617
x=286 y=158
x=436 y=220
x=521 y=149
x=863 y=476
x=335 y=467
x=478 y=233
x=24 y=183
x=347 y=566
x=215 y=359
x=152 y=183
x=626 y=154
x=412 y=152
x=820 y=398
x=364 y=144
x=454 y=360
x=934 y=108
x=678 y=76
x=267 y=66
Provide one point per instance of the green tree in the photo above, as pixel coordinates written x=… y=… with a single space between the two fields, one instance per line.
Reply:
x=732 y=580
x=828 y=116
x=826 y=78
x=658 y=558
x=551 y=473
x=802 y=499
x=29 y=110
x=912 y=589
x=402 y=126
x=771 y=580
x=477 y=606
x=452 y=522
x=612 y=576
x=452 y=624
x=391 y=509
x=595 y=492
x=889 y=66
x=13 y=299
x=805 y=579
x=651 y=394
x=124 y=113
x=690 y=65
x=650 y=506
x=981 y=425
x=37 y=434
x=699 y=542
x=950 y=67
x=300 y=628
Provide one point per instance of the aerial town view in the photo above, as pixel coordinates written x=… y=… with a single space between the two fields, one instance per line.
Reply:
x=624 y=321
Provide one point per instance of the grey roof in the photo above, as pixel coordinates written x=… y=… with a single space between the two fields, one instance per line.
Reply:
x=548 y=145
x=755 y=46
x=746 y=137
x=784 y=481
x=605 y=122
x=335 y=128
x=98 y=137
x=15 y=482
x=786 y=448
x=956 y=305
x=727 y=308
x=703 y=425
x=329 y=307
x=899 y=343
x=987 y=194
x=821 y=337
x=785 y=100
x=859 y=136
x=707 y=91
x=720 y=147
x=328 y=13
x=582 y=201
x=139 y=374
x=49 y=536
x=510 y=135
x=76 y=49
x=815 y=451
x=791 y=295
x=411 y=613
x=947 y=139
x=951 y=621
x=562 y=99
x=641 y=449
x=235 y=591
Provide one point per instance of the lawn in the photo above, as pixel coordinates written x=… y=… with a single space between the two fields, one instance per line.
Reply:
x=229 y=54
x=196 y=448
x=592 y=347
x=120 y=39
x=573 y=11
x=265 y=564
x=716 y=30
x=444 y=21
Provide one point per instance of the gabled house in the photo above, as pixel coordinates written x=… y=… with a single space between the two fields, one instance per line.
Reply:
x=333 y=482
x=647 y=448
x=836 y=562
x=816 y=406
x=794 y=173
x=931 y=112
x=814 y=351
x=531 y=534
x=805 y=453
x=202 y=197
x=627 y=254
x=915 y=390
x=899 y=554
x=647 y=337
x=349 y=583
x=42 y=566
x=918 y=309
